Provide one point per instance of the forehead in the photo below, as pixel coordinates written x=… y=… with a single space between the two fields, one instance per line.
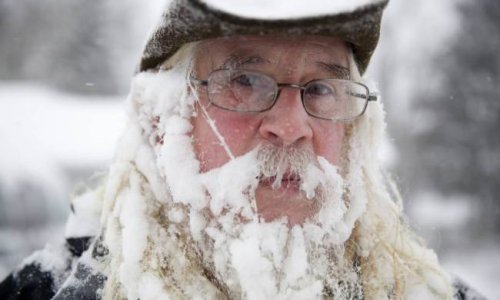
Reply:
x=272 y=49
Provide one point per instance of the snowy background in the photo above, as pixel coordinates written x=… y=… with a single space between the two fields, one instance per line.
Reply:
x=65 y=67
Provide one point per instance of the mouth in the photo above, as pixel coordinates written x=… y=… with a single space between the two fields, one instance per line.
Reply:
x=288 y=181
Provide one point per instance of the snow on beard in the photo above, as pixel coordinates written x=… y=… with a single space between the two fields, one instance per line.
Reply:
x=232 y=187
x=261 y=260
x=270 y=260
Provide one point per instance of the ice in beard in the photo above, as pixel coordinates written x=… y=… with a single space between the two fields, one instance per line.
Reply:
x=254 y=257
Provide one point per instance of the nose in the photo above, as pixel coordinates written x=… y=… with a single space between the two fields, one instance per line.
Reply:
x=287 y=122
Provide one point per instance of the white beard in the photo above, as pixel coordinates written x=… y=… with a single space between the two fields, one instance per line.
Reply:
x=215 y=214
x=254 y=259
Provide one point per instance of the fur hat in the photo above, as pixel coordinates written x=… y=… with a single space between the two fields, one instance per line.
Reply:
x=354 y=21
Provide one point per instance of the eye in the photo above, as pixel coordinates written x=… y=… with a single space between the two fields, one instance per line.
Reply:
x=318 y=89
x=247 y=80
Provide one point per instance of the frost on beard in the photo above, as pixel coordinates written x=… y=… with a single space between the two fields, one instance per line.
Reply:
x=191 y=234
x=218 y=212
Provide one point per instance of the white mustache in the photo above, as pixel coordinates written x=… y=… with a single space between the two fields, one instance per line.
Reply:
x=279 y=165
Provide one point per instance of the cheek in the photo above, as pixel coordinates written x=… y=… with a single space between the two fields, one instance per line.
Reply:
x=239 y=133
x=329 y=141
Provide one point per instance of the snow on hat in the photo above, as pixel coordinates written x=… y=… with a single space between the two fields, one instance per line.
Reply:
x=184 y=21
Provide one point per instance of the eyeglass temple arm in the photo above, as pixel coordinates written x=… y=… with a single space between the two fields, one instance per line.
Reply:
x=198 y=81
x=371 y=97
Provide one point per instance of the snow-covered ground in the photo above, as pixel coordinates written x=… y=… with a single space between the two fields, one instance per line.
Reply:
x=49 y=141
x=477 y=265
x=47 y=136
x=444 y=222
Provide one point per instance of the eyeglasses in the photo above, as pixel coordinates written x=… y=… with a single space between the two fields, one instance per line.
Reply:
x=249 y=91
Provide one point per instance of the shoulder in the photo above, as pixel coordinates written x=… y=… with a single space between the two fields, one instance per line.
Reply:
x=462 y=291
x=42 y=274
x=31 y=282
x=48 y=271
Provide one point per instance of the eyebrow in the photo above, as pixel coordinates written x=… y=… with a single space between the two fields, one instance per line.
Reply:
x=335 y=69
x=236 y=62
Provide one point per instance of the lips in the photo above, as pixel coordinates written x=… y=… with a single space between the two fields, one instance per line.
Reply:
x=288 y=180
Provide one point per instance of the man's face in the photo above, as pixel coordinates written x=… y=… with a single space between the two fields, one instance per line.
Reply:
x=285 y=125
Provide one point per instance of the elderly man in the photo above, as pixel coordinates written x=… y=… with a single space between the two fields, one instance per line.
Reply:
x=248 y=170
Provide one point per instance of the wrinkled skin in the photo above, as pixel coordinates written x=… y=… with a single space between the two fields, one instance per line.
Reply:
x=287 y=124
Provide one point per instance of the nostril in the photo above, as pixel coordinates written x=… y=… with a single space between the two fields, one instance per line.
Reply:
x=269 y=135
x=284 y=131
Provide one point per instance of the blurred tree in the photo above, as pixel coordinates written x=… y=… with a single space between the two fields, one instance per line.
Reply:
x=74 y=45
x=439 y=71
x=3 y=214
x=461 y=155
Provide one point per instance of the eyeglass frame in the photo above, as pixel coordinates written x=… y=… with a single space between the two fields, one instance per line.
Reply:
x=369 y=97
